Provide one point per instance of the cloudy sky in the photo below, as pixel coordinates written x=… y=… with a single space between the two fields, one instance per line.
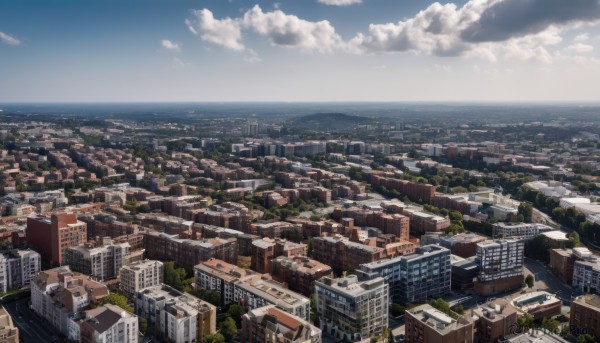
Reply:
x=299 y=50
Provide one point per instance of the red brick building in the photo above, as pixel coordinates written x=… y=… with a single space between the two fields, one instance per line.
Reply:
x=50 y=236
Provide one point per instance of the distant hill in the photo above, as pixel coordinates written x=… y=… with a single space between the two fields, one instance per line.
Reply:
x=328 y=121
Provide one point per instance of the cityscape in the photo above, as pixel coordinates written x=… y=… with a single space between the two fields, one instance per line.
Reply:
x=259 y=174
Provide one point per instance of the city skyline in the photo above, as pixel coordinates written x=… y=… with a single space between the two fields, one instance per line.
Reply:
x=289 y=51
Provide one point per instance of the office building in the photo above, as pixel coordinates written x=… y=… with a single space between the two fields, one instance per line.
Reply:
x=415 y=277
x=269 y=324
x=51 y=236
x=500 y=266
x=425 y=324
x=140 y=275
x=350 y=309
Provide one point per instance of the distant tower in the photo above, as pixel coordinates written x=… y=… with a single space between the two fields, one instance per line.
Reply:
x=250 y=129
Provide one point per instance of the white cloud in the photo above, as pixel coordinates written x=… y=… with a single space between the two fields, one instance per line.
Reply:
x=580 y=48
x=224 y=32
x=582 y=37
x=339 y=2
x=170 y=45
x=8 y=39
x=252 y=56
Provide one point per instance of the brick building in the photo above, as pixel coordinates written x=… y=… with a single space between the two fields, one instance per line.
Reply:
x=299 y=273
x=266 y=249
x=51 y=235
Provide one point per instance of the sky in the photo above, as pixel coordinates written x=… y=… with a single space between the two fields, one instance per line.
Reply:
x=299 y=50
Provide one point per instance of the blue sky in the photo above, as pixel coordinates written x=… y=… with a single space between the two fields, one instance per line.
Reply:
x=299 y=50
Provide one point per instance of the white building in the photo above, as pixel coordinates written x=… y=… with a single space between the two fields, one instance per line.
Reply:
x=17 y=268
x=500 y=259
x=572 y=202
x=501 y=212
x=352 y=310
x=519 y=231
x=140 y=275
x=109 y=324
x=586 y=275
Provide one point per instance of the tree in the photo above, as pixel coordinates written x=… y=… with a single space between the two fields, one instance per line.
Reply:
x=116 y=299
x=587 y=338
x=143 y=325
x=526 y=210
x=525 y=321
x=574 y=240
x=216 y=338
x=236 y=312
x=552 y=325
x=174 y=277
x=459 y=309
x=228 y=329
x=529 y=280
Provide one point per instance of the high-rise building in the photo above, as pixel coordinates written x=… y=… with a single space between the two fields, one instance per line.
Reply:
x=140 y=275
x=500 y=266
x=269 y=324
x=109 y=323
x=17 y=268
x=51 y=236
x=415 y=277
x=426 y=324
x=350 y=309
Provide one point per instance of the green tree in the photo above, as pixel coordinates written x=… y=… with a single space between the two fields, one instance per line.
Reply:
x=174 y=277
x=236 y=312
x=587 y=338
x=116 y=299
x=228 y=329
x=459 y=309
x=526 y=210
x=216 y=338
x=529 y=280
x=143 y=325
x=574 y=240
x=551 y=325
x=525 y=321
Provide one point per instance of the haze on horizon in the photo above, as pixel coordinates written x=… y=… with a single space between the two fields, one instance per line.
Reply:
x=299 y=51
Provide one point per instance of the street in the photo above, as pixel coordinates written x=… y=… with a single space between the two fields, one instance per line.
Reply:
x=31 y=327
x=546 y=280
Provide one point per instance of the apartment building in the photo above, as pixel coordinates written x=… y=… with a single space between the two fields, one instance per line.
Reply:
x=266 y=249
x=101 y=259
x=179 y=317
x=496 y=319
x=9 y=333
x=109 y=323
x=57 y=294
x=426 y=324
x=139 y=275
x=255 y=292
x=341 y=254
x=299 y=273
x=269 y=324
x=500 y=266
x=462 y=244
x=50 y=236
x=415 y=277
x=585 y=314
x=350 y=309
x=519 y=231
x=17 y=268
x=186 y=252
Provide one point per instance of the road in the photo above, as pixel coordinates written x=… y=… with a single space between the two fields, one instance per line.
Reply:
x=546 y=280
x=31 y=327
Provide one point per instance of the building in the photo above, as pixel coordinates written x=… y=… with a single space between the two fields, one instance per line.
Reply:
x=586 y=275
x=299 y=273
x=187 y=252
x=51 y=236
x=255 y=292
x=179 y=317
x=500 y=266
x=109 y=323
x=102 y=259
x=9 y=333
x=140 y=275
x=17 y=268
x=57 y=294
x=350 y=309
x=266 y=249
x=519 y=231
x=495 y=319
x=415 y=277
x=502 y=212
x=462 y=244
x=342 y=254
x=562 y=262
x=464 y=272
x=220 y=276
x=538 y=304
x=424 y=324
x=269 y=324
x=585 y=315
